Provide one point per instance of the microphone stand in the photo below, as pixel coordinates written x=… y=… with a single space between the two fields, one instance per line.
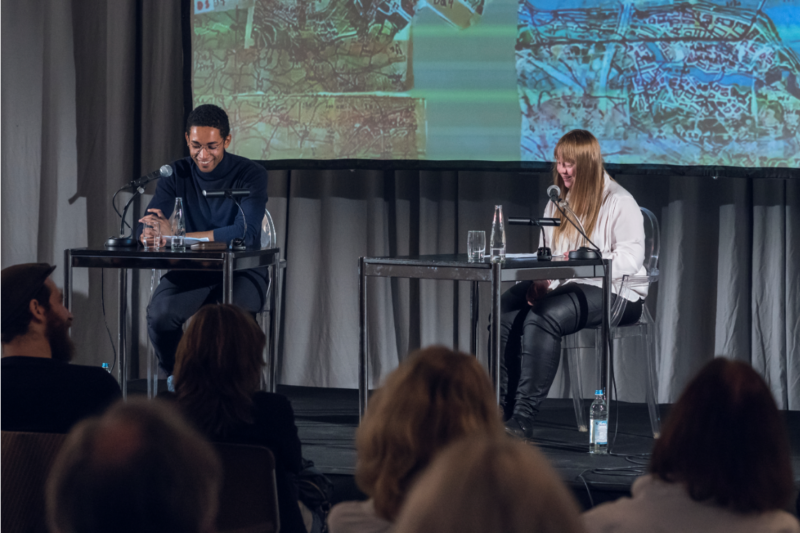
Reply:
x=543 y=253
x=122 y=241
x=239 y=242
x=583 y=252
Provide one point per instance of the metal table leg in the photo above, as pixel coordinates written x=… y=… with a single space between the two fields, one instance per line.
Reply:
x=122 y=370
x=363 y=356
x=474 y=317
x=607 y=359
x=494 y=356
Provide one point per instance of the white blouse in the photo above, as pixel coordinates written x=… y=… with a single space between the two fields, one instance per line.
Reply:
x=619 y=233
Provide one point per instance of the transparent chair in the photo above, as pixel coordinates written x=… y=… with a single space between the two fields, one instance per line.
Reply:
x=644 y=331
x=269 y=239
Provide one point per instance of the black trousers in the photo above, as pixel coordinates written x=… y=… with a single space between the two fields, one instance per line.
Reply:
x=180 y=294
x=530 y=338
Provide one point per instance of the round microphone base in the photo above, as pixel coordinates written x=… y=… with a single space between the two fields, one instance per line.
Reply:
x=121 y=242
x=584 y=253
x=238 y=244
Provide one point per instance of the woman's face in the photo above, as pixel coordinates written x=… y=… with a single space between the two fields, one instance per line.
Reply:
x=566 y=170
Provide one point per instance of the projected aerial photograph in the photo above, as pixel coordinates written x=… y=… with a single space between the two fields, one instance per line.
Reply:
x=658 y=81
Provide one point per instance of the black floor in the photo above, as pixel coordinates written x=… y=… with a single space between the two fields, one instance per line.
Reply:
x=327 y=421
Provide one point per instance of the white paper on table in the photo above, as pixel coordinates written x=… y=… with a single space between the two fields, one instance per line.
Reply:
x=521 y=256
x=188 y=240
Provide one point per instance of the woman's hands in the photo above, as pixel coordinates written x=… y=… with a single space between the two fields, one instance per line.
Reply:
x=537 y=290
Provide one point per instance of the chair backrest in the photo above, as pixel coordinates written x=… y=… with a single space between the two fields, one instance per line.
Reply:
x=652 y=243
x=248 y=501
x=26 y=461
x=269 y=237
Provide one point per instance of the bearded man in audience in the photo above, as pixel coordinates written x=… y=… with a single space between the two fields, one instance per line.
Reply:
x=41 y=390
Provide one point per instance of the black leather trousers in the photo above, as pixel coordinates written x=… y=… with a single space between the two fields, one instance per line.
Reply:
x=530 y=338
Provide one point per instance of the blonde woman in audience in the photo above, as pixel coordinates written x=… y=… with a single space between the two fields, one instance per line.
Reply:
x=489 y=485
x=721 y=465
x=435 y=397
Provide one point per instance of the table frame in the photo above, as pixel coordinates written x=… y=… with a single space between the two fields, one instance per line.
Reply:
x=225 y=261
x=456 y=267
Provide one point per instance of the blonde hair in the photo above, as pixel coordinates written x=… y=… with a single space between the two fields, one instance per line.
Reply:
x=582 y=149
x=484 y=484
x=433 y=398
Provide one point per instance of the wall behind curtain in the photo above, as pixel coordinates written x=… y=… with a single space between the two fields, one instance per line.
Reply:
x=92 y=97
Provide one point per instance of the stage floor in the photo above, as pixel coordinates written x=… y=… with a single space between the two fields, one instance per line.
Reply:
x=327 y=421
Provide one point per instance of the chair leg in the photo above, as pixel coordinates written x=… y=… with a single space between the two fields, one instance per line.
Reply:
x=651 y=385
x=574 y=372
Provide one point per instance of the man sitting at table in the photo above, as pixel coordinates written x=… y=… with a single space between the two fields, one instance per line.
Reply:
x=209 y=167
x=41 y=391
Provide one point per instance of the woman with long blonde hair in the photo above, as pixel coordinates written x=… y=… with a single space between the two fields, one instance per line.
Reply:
x=541 y=312
x=433 y=398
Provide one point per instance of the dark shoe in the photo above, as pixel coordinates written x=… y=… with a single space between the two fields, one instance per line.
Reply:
x=520 y=427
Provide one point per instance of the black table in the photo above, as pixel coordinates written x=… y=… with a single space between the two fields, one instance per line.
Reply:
x=224 y=261
x=456 y=267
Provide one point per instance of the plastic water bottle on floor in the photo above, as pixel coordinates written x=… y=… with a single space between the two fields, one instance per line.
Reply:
x=598 y=424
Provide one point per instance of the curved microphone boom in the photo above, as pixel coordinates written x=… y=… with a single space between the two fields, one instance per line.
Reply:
x=554 y=192
x=138 y=185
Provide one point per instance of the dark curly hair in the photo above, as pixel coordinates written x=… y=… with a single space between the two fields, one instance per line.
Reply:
x=211 y=116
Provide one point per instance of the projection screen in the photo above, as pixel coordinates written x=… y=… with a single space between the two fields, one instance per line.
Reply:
x=703 y=82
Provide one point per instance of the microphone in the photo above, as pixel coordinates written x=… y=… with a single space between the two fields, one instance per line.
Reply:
x=227 y=193
x=553 y=192
x=163 y=172
x=238 y=243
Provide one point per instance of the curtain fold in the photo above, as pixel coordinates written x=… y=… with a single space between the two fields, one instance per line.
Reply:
x=92 y=97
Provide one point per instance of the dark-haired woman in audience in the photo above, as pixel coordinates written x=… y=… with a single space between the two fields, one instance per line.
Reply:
x=541 y=312
x=217 y=376
x=433 y=398
x=721 y=465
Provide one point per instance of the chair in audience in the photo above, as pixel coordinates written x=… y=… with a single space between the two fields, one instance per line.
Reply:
x=269 y=239
x=644 y=331
x=26 y=462
x=248 y=501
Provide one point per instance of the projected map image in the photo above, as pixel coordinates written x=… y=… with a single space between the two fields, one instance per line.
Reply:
x=318 y=79
x=663 y=82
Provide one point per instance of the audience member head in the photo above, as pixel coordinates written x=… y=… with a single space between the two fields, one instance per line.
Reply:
x=34 y=319
x=725 y=440
x=218 y=367
x=434 y=397
x=579 y=171
x=481 y=484
x=139 y=468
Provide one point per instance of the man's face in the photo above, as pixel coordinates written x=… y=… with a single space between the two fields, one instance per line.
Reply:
x=59 y=320
x=206 y=146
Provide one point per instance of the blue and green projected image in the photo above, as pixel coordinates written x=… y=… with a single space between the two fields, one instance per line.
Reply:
x=658 y=82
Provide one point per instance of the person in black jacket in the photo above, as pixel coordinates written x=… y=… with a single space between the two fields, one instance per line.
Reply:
x=217 y=376
x=41 y=390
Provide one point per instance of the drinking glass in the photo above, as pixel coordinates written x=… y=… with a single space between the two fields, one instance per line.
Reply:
x=476 y=246
x=153 y=241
